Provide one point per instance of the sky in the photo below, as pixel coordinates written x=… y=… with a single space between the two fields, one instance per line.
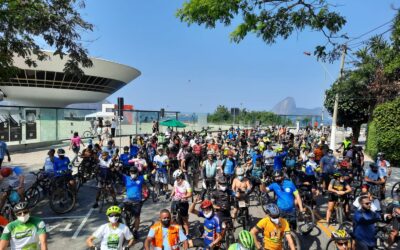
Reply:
x=194 y=69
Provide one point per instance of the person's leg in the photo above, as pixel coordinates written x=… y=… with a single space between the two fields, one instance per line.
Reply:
x=1 y=162
x=331 y=204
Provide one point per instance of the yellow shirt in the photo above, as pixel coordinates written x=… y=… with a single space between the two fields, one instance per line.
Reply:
x=273 y=234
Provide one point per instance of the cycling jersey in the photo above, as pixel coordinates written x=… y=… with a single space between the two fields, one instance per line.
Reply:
x=24 y=236
x=181 y=190
x=134 y=187
x=269 y=156
x=285 y=195
x=124 y=158
x=290 y=162
x=210 y=168
x=237 y=246
x=133 y=150
x=310 y=168
x=273 y=233
x=212 y=226
x=61 y=165
x=328 y=164
x=112 y=238
x=230 y=165
x=278 y=160
x=374 y=175
x=13 y=179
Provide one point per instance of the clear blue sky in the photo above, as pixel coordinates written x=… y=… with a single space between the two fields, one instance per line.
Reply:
x=195 y=69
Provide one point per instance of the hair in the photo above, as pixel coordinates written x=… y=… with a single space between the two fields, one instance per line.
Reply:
x=166 y=211
x=363 y=198
x=76 y=134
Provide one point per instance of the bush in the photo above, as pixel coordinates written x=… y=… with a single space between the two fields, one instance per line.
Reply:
x=371 y=146
x=386 y=123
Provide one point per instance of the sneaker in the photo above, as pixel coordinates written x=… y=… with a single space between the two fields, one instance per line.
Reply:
x=135 y=235
x=95 y=205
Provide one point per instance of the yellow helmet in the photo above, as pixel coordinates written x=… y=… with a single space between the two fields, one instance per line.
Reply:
x=113 y=210
x=340 y=234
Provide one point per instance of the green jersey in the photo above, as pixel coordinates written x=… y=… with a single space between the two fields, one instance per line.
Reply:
x=24 y=236
x=237 y=246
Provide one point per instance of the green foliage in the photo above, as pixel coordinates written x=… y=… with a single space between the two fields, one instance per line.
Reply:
x=371 y=146
x=56 y=22
x=222 y=115
x=387 y=120
x=268 y=20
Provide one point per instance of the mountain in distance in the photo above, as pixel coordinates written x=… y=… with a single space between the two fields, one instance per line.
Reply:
x=288 y=107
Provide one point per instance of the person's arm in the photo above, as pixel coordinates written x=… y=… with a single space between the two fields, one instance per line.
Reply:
x=380 y=181
x=43 y=241
x=8 y=154
x=4 y=244
x=330 y=188
x=254 y=231
x=218 y=238
x=192 y=208
x=89 y=241
x=290 y=241
x=147 y=243
x=298 y=199
x=348 y=189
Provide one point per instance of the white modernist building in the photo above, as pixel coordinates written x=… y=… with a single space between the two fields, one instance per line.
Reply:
x=48 y=86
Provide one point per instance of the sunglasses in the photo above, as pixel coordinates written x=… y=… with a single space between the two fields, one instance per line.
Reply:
x=21 y=213
x=367 y=203
x=114 y=215
x=342 y=243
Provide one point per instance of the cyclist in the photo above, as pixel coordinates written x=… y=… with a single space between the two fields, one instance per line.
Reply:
x=290 y=162
x=269 y=155
x=160 y=163
x=278 y=159
x=212 y=224
x=256 y=172
x=222 y=201
x=125 y=157
x=287 y=197
x=112 y=235
x=246 y=242
x=327 y=164
x=341 y=239
x=165 y=235
x=134 y=185
x=338 y=187
x=75 y=145
x=345 y=145
x=181 y=192
x=373 y=176
x=274 y=228
x=139 y=162
x=105 y=177
x=229 y=166
x=393 y=215
x=364 y=225
x=3 y=152
x=26 y=232
x=209 y=172
x=62 y=167
x=12 y=177
x=384 y=165
x=241 y=187
x=49 y=161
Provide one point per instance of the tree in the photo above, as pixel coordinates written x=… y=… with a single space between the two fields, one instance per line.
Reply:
x=269 y=19
x=354 y=107
x=56 y=22
x=221 y=114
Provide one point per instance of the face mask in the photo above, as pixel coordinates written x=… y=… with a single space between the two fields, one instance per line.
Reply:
x=113 y=219
x=275 y=220
x=133 y=176
x=330 y=154
x=208 y=215
x=166 y=223
x=23 y=218
x=222 y=188
x=240 y=177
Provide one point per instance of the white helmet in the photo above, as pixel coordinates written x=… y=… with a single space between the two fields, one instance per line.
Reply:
x=239 y=171
x=311 y=155
x=177 y=173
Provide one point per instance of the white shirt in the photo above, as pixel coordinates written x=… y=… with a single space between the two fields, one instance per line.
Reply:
x=112 y=238
x=160 y=158
x=375 y=205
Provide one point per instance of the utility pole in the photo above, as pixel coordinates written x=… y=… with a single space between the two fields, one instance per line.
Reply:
x=335 y=108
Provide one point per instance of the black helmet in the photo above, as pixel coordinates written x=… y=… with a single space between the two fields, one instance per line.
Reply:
x=272 y=210
x=60 y=151
x=134 y=170
x=20 y=206
x=277 y=173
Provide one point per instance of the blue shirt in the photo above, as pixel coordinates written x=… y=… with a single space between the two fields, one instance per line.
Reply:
x=229 y=168
x=255 y=156
x=61 y=165
x=328 y=164
x=364 y=226
x=290 y=162
x=373 y=175
x=285 y=196
x=182 y=237
x=3 y=148
x=133 y=151
x=124 y=158
x=134 y=187
x=211 y=227
x=278 y=160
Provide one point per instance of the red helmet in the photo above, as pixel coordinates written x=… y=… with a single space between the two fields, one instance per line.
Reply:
x=5 y=172
x=344 y=164
x=206 y=204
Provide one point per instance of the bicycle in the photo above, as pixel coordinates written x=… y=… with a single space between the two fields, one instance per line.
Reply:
x=105 y=193
x=176 y=212
x=228 y=232
x=243 y=217
x=62 y=198
x=158 y=184
x=296 y=242
x=12 y=198
x=395 y=189
x=42 y=185
x=127 y=217
x=338 y=211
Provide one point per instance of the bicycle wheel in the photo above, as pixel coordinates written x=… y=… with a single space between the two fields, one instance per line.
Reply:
x=395 y=189
x=264 y=201
x=339 y=215
x=306 y=221
x=295 y=239
x=78 y=181
x=62 y=200
x=102 y=199
x=87 y=134
x=32 y=196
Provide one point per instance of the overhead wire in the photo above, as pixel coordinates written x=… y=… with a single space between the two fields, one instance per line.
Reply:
x=372 y=30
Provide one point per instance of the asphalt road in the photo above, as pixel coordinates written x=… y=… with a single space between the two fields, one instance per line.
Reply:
x=72 y=229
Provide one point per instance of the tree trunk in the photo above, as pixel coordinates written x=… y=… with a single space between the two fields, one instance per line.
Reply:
x=356 y=132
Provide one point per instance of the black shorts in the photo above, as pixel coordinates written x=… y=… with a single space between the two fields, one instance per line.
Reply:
x=335 y=198
x=136 y=208
x=183 y=208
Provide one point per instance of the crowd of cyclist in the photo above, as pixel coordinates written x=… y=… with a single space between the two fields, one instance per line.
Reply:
x=220 y=172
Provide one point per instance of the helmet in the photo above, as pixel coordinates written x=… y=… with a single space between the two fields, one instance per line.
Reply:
x=277 y=173
x=239 y=171
x=206 y=204
x=272 y=210
x=126 y=148
x=5 y=172
x=60 y=151
x=373 y=165
x=279 y=149
x=311 y=155
x=380 y=154
x=337 y=174
x=246 y=239
x=323 y=138
x=134 y=170
x=210 y=152
x=20 y=206
x=177 y=173
x=340 y=234
x=256 y=148
x=113 y=210
x=344 y=164
x=222 y=180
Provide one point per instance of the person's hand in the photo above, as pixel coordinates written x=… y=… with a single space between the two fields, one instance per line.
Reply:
x=197 y=199
x=9 y=159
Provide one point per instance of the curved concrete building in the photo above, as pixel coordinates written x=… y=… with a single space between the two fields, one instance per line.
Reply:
x=48 y=86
